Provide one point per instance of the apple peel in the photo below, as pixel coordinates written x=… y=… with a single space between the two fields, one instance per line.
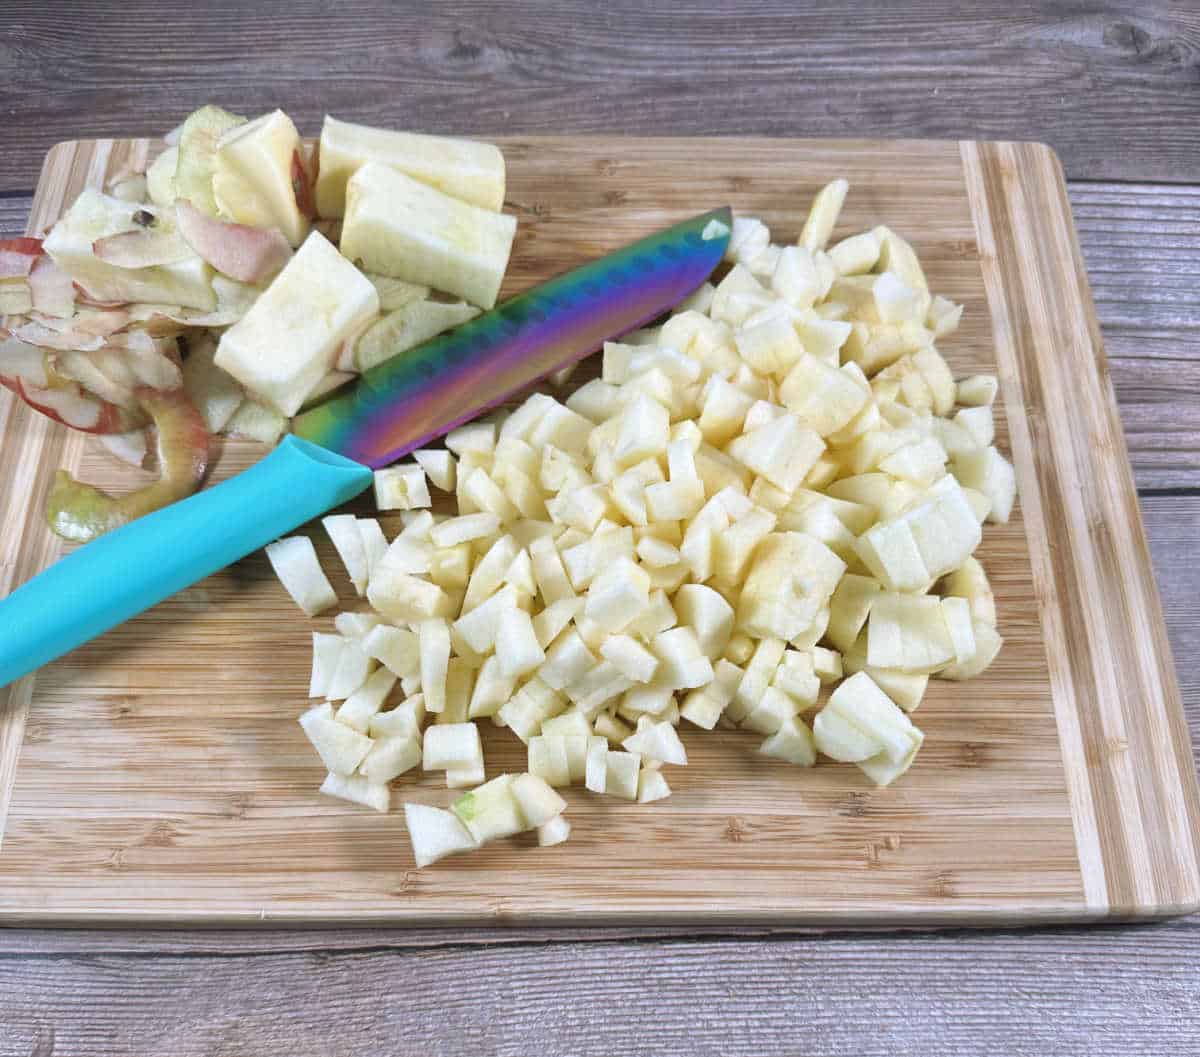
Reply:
x=249 y=254
x=17 y=257
x=81 y=512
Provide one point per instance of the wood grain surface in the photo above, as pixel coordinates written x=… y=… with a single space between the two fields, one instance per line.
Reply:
x=1110 y=85
x=1105 y=83
x=1051 y=788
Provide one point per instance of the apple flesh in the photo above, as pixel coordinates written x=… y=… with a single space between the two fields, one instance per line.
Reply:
x=464 y=169
x=282 y=348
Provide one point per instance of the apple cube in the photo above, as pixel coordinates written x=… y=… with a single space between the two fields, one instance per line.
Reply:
x=391 y=757
x=405 y=719
x=492 y=689
x=553 y=832
x=987 y=647
x=889 y=550
x=347 y=540
x=630 y=658
x=467 y=169
x=908 y=633
x=792 y=742
x=405 y=598
x=767 y=341
x=479 y=627
x=401 y=488
x=353 y=668
x=548 y=759
x=704 y=705
x=782 y=451
x=358 y=789
x=970 y=581
x=567 y=661
x=552 y=620
x=822 y=396
x=992 y=474
x=596 y=765
x=435 y=833
x=790 y=582
x=398 y=226
x=489 y=572
x=652 y=786
x=448 y=746
x=356 y=711
x=516 y=643
x=438 y=465
x=326 y=651
x=682 y=665
x=396 y=648
x=295 y=563
x=532 y=705
x=979 y=390
x=340 y=747
x=537 y=802
x=491 y=811
x=621 y=774
x=656 y=741
x=618 y=595
x=433 y=642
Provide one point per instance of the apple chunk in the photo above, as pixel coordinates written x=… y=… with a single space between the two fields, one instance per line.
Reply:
x=464 y=169
x=253 y=179
x=400 y=227
x=285 y=345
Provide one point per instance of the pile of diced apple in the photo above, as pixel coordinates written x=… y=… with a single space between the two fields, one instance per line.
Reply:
x=763 y=515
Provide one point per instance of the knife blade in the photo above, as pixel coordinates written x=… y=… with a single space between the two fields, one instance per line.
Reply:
x=328 y=459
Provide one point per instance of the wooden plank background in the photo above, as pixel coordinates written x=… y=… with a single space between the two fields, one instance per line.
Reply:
x=1112 y=86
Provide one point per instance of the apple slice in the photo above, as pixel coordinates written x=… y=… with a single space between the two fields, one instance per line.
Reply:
x=198 y=137
x=250 y=255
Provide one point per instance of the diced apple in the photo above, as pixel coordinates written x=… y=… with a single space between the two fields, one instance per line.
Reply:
x=657 y=741
x=354 y=666
x=992 y=474
x=288 y=340
x=295 y=563
x=651 y=786
x=433 y=641
x=358 y=789
x=630 y=658
x=391 y=757
x=979 y=390
x=435 y=833
x=401 y=488
x=538 y=803
x=491 y=811
x=782 y=451
x=908 y=633
x=438 y=465
x=793 y=742
x=553 y=832
x=449 y=746
x=340 y=747
x=356 y=711
x=326 y=650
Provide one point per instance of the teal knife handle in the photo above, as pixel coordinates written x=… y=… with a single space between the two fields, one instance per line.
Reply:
x=132 y=568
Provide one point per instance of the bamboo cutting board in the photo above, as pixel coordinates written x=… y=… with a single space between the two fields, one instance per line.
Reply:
x=159 y=774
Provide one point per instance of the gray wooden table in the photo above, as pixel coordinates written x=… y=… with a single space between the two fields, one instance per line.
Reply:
x=1114 y=87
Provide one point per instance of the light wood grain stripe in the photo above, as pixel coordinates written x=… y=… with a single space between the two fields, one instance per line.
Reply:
x=1007 y=331
x=1105 y=622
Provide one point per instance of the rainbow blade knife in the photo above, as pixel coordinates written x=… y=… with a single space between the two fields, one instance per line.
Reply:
x=328 y=459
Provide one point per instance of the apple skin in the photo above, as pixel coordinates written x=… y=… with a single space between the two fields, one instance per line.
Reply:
x=80 y=512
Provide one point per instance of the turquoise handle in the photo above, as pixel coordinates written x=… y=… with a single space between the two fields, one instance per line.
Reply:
x=134 y=567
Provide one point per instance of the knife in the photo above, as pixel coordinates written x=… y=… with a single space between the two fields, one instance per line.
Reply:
x=329 y=457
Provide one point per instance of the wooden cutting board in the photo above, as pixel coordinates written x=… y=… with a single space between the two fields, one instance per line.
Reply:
x=158 y=774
